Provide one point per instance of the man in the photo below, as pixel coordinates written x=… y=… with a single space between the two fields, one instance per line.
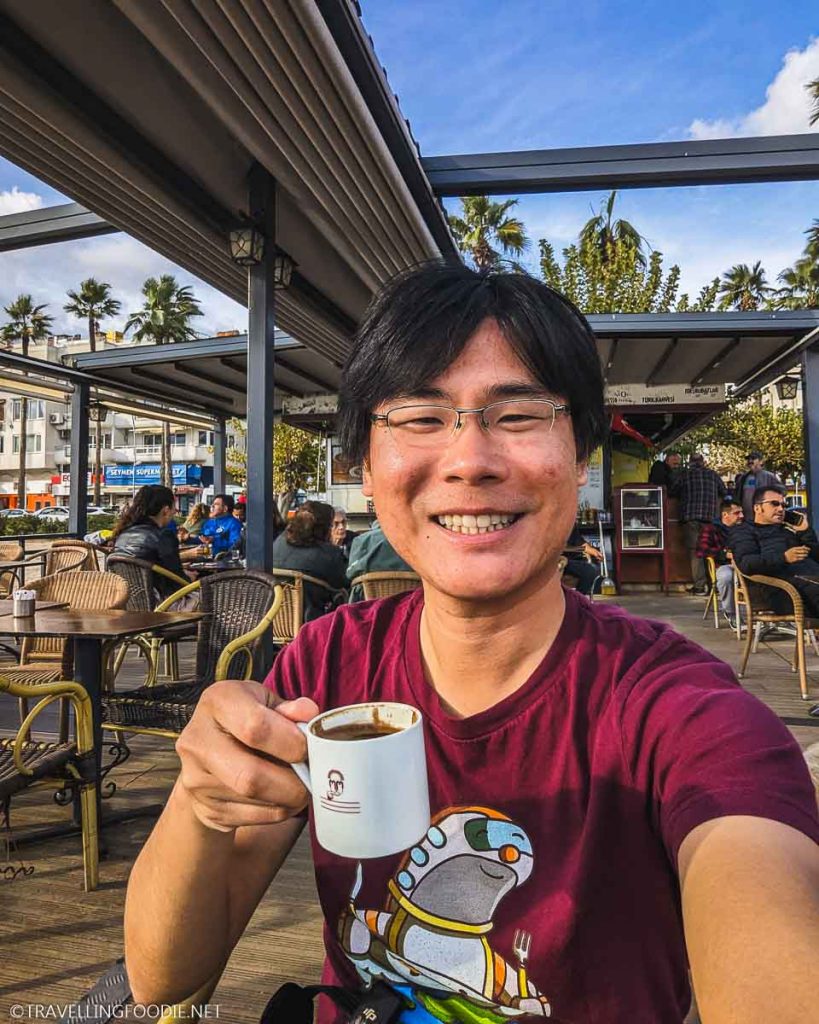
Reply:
x=713 y=541
x=700 y=491
x=585 y=570
x=754 y=476
x=666 y=472
x=769 y=547
x=223 y=529
x=609 y=806
x=340 y=535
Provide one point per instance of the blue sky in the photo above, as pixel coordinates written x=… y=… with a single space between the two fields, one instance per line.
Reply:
x=487 y=75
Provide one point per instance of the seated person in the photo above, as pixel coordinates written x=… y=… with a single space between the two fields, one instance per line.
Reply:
x=372 y=552
x=610 y=808
x=305 y=547
x=141 y=532
x=340 y=535
x=771 y=547
x=586 y=573
x=223 y=530
x=713 y=541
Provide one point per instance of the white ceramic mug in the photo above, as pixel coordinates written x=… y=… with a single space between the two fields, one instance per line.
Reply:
x=370 y=795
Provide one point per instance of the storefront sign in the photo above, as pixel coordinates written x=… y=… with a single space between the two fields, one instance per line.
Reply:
x=125 y=475
x=591 y=494
x=665 y=394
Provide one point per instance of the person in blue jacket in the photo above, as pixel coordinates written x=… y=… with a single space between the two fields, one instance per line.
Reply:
x=223 y=529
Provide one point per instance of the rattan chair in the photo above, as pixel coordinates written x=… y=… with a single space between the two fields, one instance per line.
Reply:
x=24 y=762
x=140 y=576
x=712 y=597
x=80 y=549
x=290 y=617
x=45 y=659
x=10 y=551
x=239 y=607
x=387 y=584
x=752 y=595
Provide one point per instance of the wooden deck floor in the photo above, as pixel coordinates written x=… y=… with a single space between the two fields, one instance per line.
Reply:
x=55 y=940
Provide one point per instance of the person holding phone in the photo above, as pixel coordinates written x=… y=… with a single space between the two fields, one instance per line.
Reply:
x=774 y=546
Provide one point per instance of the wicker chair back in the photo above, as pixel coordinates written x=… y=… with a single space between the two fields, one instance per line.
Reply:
x=67 y=555
x=234 y=602
x=138 y=575
x=387 y=584
x=88 y=591
x=10 y=551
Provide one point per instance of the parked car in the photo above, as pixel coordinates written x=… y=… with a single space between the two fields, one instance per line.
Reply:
x=60 y=512
x=13 y=513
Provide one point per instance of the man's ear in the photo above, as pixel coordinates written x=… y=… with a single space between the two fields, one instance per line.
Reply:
x=366 y=479
x=582 y=473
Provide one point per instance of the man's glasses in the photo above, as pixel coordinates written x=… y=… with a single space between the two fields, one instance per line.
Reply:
x=426 y=426
x=771 y=501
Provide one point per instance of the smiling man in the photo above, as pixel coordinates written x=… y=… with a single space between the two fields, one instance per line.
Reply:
x=609 y=806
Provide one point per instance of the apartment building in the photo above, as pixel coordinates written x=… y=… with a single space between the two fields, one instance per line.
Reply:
x=131 y=445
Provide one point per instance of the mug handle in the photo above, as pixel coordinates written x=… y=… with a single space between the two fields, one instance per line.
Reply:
x=302 y=768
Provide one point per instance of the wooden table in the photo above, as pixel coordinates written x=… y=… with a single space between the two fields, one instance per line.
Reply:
x=90 y=632
x=210 y=567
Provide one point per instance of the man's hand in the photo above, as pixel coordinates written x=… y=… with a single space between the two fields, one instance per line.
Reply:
x=801 y=526
x=236 y=751
x=592 y=552
x=797 y=554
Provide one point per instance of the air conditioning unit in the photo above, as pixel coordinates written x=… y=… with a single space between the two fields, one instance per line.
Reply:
x=56 y=419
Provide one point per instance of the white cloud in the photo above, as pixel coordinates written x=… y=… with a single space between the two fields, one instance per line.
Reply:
x=14 y=201
x=787 y=106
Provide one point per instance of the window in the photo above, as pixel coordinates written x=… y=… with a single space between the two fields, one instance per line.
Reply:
x=205 y=437
x=152 y=440
x=106 y=439
x=35 y=409
x=179 y=437
x=34 y=443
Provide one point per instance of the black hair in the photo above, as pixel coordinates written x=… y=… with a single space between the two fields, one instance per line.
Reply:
x=760 y=492
x=146 y=503
x=421 y=322
x=228 y=501
x=727 y=503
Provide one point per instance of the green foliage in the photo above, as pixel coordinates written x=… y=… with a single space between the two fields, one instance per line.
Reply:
x=485 y=233
x=166 y=312
x=743 y=287
x=27 y=322
x=14 y=526
x=747 y=425
x=297 y=457
x=603 y=232
x=93 y=303
x=616 y=279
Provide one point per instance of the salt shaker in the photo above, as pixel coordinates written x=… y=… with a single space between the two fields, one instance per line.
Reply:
x=23 y=603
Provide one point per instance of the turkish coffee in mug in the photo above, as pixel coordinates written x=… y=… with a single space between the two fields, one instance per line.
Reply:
x=366 y=772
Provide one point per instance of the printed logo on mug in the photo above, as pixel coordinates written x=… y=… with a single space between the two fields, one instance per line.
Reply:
x=366 y=771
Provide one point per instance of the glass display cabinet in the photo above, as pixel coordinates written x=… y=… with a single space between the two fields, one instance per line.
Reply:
x=641 y=529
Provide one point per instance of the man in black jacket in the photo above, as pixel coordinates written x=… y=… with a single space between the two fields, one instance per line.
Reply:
x=769 y=547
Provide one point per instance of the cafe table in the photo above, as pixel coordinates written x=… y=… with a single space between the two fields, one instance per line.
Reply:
x=92 y=633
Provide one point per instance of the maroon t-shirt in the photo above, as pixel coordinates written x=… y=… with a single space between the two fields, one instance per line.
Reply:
x=548 y=875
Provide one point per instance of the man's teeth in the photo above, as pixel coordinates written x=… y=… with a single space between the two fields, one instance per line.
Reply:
x=487 y=523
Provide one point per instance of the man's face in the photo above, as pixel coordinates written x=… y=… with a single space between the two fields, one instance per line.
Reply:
x=754 y=465
x=339 y=530
x=673 y=461
x=771 y=510
x=476 y=473
x=218 y=508
x=732 y=515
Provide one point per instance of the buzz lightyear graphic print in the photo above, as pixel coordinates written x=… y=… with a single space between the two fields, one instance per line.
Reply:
x=430 y=942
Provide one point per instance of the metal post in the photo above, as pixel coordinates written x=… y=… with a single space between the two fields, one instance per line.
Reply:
x=810 y=417
x=78 y=495
x=260 y=376
x=219 y=448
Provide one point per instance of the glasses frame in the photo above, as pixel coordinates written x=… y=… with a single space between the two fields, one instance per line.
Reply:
x=383 y=418
x=774 y=502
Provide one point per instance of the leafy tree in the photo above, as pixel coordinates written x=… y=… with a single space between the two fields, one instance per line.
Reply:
x=800 y=286
x=743 y=287
x=744 y=426
x=93 y=303
x=813 y=89
x=486 y=233
x=604 y=233
x=164 y=319
x=297 y=458
x=27 y=323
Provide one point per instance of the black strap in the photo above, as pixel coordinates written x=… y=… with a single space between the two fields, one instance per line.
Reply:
x=293 y=1004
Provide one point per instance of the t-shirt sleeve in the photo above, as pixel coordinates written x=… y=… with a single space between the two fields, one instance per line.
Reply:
x=700 y=747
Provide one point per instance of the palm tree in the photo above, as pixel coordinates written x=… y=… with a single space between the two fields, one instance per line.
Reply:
x=812 y=244
x=484 y=231
x=603 y=232
x=93 y=302
x=800 y=286
x=164 y=319
x=743 y=287
x=27 y=323
x=813 y=89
